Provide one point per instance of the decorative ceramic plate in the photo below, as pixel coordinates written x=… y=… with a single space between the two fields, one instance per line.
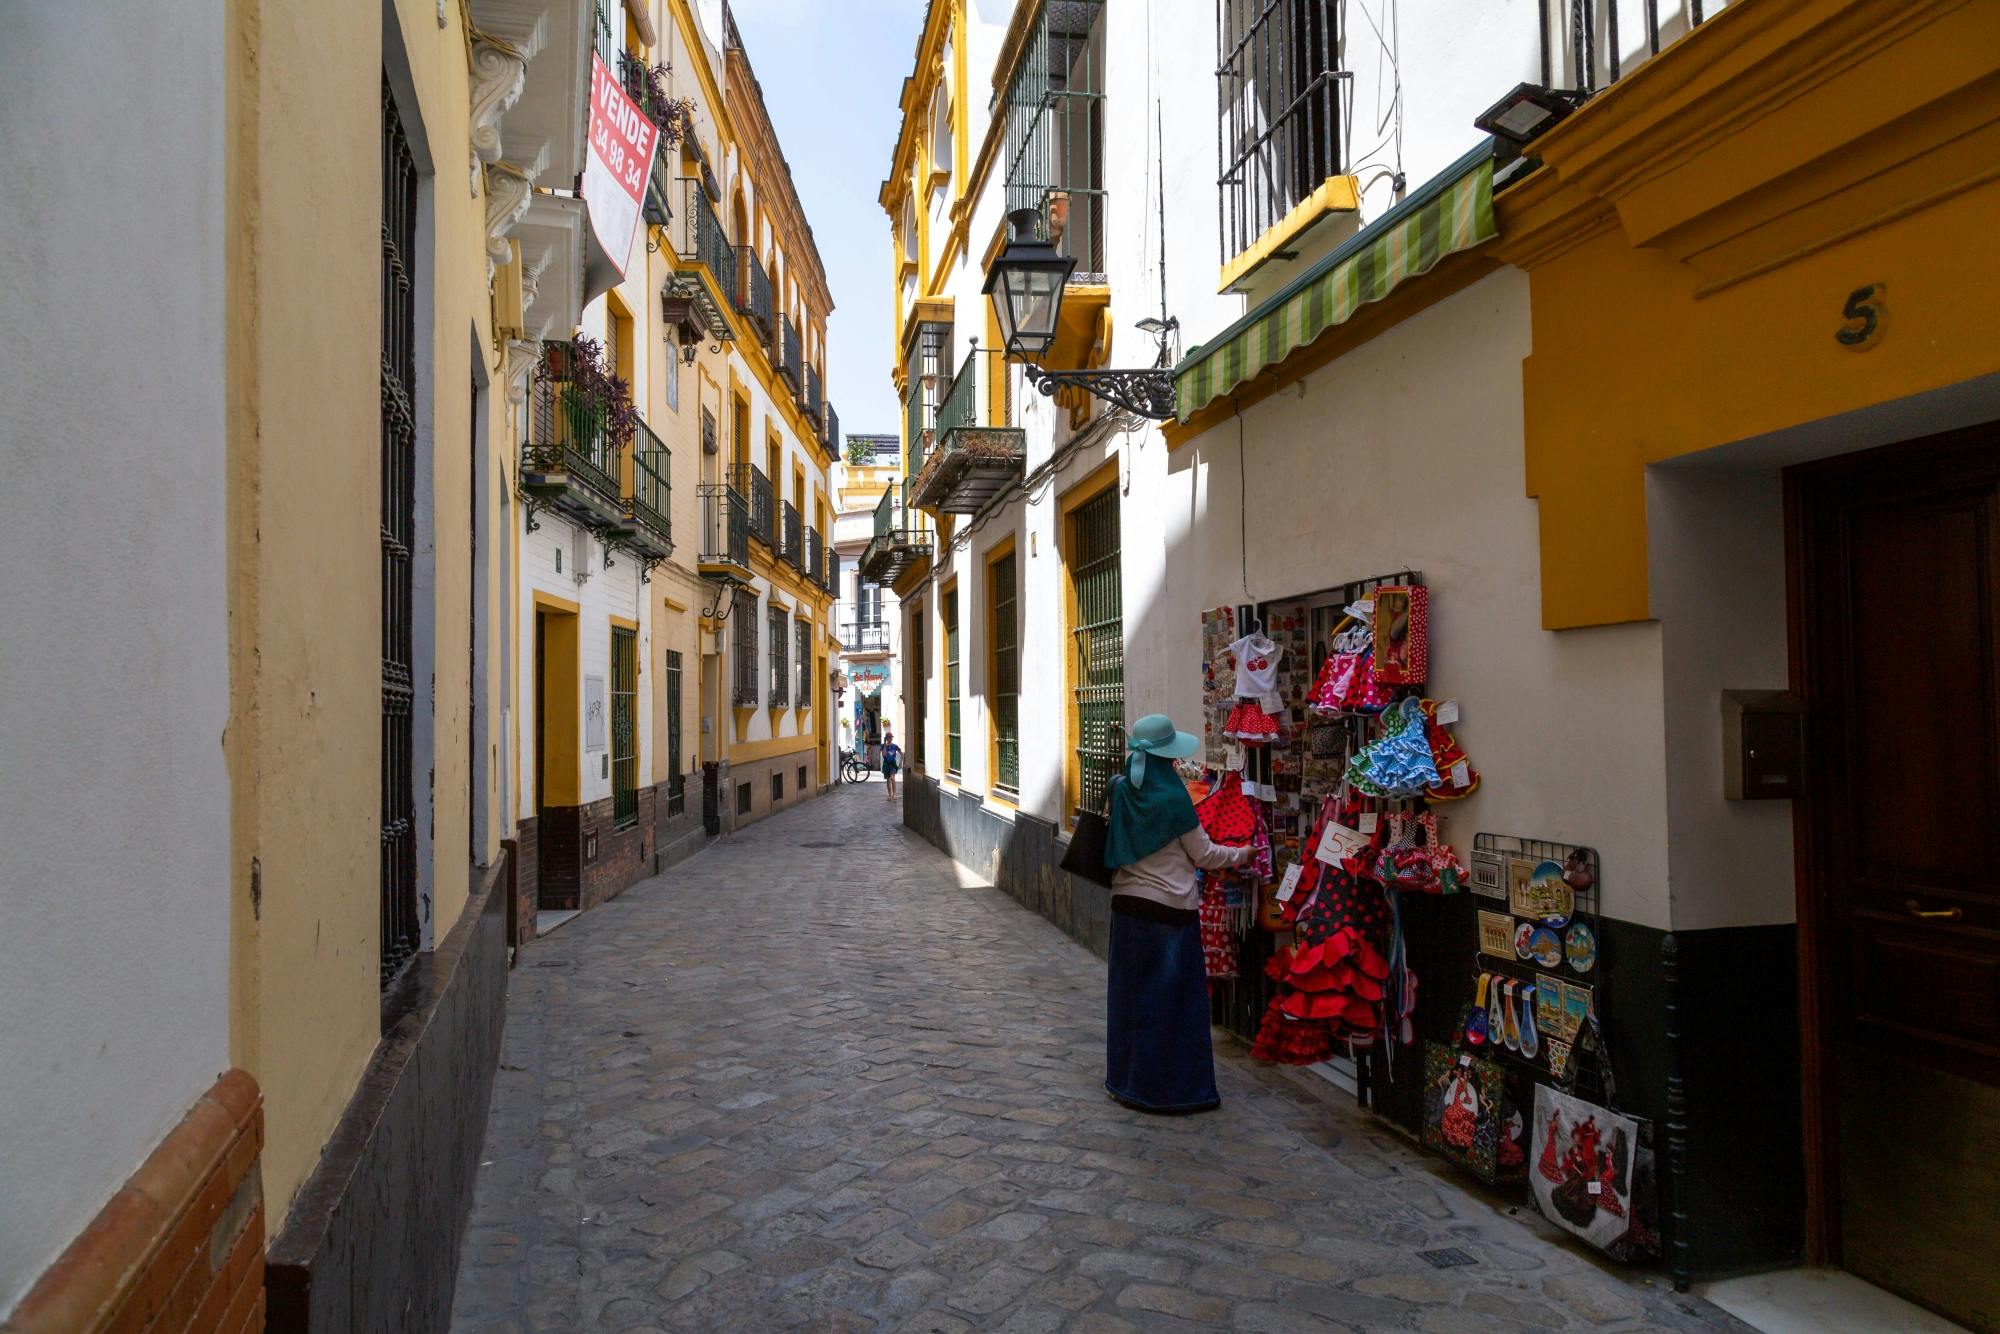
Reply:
x=1523 y=935
x=1581 y=946
x=1545 y=948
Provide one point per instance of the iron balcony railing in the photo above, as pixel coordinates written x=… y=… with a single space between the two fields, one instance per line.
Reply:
x=637 y=79
x=794 y=549
x=832 y=582
x=699 y=238
x=976 y=451
x=568 y=432
x=887 y=511
x=1278 y=137
x=960 y=406
x=809 y=394
x=1053 y=141
x=755 y=489
x=652 y=502
x=1589 y=47
x=753 y=291
x=606 y=40
x=815 y=558
x=788 y=351
x=829 y=427
x=865 y=636
x=725 y=526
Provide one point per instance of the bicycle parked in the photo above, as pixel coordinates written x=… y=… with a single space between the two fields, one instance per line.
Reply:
x=852 y=768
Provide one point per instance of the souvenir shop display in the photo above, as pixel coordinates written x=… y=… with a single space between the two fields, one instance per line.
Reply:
x=1540 y=960
x=1593 y=1172
x=1342 y=762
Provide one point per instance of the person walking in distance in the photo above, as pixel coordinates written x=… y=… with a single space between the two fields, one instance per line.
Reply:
x=1157 y=1054
x=892 y=759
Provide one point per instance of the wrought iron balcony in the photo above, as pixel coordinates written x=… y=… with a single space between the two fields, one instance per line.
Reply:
x=810 y=399
x=831 y=582
x=865 y=636
x=894 y=548
x=569 y=462
x=815 y=558
x=829 y=427
x=789 y=358
x=794 y=550
x=725 y=534
x=755 y=488
x=649 y=509
x=753 y=291
x=978 y=452
x=706 y=279
x=606 y=39
x=637 y=80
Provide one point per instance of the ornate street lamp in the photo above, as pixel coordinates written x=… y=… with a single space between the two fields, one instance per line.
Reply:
x=1026 y=285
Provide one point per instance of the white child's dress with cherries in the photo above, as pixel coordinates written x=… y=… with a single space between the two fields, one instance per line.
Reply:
x=1256 y=658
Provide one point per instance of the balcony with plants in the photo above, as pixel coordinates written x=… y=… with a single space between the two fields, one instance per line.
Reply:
x=650 y=87
x=895 y=547
x=580 y=418
x=976 y=450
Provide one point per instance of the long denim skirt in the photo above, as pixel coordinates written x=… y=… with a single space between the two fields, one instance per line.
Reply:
x=1157 y=1054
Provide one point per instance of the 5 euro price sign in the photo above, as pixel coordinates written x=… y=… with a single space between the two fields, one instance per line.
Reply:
x=620 y=158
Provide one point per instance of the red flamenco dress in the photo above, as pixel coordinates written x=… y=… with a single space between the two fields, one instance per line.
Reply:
x=1230 y=819
x=1333 y=979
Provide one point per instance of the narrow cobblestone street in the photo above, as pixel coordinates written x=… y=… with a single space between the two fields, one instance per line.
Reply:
x=810 y=1079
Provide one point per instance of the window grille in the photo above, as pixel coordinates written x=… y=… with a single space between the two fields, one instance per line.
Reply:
x=1006 y=679
x=1054 y=138
x=624 y=727
x=952 y=719
x=928 y=373
x=401 y=933
x=1278 y=136
x=920 y=672
x=780 y=676
x=1099 y=635
x=744 y=618
x=804 y=631
x=676 y=780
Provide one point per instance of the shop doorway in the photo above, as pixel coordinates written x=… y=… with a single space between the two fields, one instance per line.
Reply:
x=1895 y=567
x=557 y=758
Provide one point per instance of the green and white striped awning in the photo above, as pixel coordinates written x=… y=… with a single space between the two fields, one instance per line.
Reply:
x=1450 y=213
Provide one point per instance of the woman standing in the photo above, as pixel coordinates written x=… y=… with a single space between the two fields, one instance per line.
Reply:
x=1157 y=1052
x=892 y=760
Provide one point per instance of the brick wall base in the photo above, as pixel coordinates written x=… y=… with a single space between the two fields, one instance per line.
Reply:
x=181 y=1245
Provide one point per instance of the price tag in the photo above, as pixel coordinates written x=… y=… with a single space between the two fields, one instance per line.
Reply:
x=1261 y=791
x=1339 y=843
x=1594 y=1188
x=1290 y=884
x=1271 y=704
x=1467 y=1060
x=1367 y=822
x=1461 y=776
x=1447 y=713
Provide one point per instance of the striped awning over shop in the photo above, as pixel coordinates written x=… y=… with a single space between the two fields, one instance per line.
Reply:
x=1450 y=213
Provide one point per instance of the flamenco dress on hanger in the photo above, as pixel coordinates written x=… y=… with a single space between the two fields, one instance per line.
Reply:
x=1256 y=659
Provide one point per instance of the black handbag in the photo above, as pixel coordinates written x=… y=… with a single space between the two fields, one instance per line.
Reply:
x=1087 y=842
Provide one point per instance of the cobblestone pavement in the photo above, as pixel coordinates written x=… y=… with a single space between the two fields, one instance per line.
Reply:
x=811 y=1078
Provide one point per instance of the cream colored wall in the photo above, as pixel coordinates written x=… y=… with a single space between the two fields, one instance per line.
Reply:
x=304 y=371
x=1407 y=453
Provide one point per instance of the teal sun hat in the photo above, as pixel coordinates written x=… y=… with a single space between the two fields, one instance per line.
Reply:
x=1155 y=734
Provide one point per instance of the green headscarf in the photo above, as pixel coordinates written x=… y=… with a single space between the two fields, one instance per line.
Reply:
x=1150 y=806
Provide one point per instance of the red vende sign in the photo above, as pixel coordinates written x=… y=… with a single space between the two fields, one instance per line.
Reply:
x=620 y=159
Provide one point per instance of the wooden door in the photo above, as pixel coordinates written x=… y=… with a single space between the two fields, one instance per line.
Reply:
x=1896 y=567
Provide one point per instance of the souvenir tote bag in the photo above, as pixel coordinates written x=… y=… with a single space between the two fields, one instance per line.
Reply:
x=1593 y=1172
x=1470 y=1116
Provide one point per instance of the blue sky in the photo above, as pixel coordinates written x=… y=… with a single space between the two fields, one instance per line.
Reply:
x=831 y=71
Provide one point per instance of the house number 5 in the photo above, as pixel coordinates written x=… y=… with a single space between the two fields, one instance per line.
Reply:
x=1864 y=314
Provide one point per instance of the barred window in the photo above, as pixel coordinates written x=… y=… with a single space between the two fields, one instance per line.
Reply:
x=952 y=719
x=780 y=673
x=1006 y=679
x=1098 y=637
x=1054 y=135
x=624 y=727
x=1278 y=85
x=676 y=780
x=744 y=618
x=804 y=631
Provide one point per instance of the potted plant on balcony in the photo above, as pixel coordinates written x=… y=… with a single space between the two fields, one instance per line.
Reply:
x=598 y=414
x=674 y=115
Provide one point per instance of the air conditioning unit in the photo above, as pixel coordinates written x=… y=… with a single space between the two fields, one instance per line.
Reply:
x=579 y=554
